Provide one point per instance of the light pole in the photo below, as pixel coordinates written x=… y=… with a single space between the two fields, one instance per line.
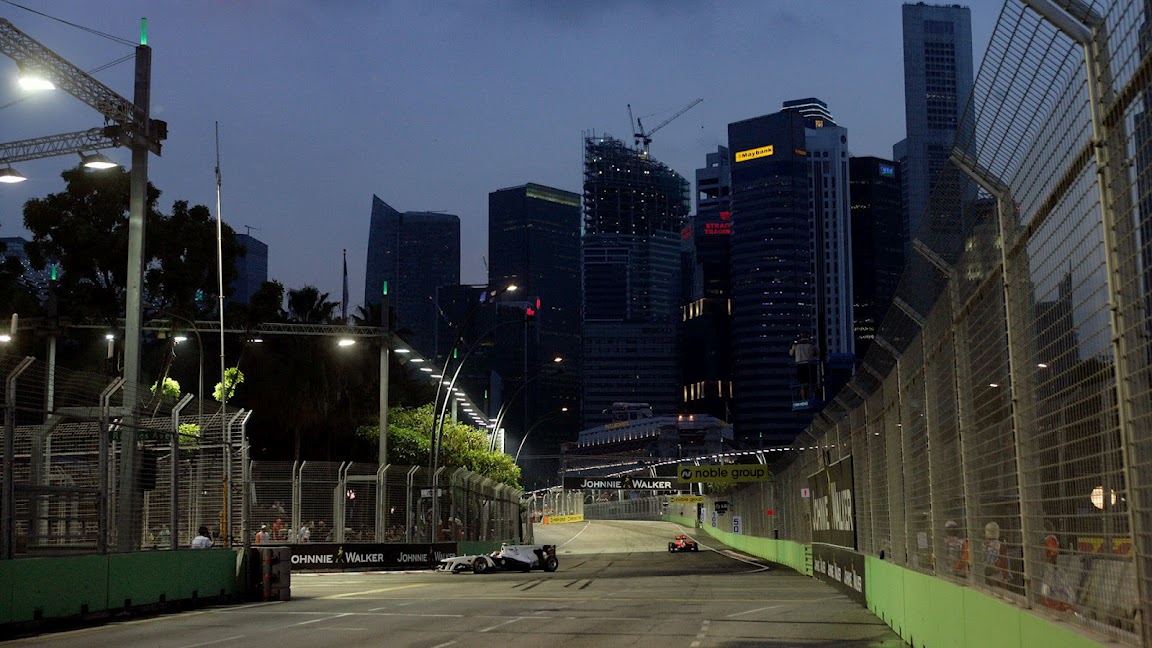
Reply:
x=503 y=411
x=551 y=417
x=133 y=128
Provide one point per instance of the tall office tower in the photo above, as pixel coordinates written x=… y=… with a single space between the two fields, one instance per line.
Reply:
x=830 y=209
x=251 y=269
x=877 y=243
x=634 y=210
x=534 y=243
x=773 y=273
x=707 y=315
x=937 y=83
x=416 y=253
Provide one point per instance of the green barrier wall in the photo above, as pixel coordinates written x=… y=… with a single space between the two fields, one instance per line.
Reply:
x=476 y=547
x=50 y=588
x=928 y=611
x=785 y=552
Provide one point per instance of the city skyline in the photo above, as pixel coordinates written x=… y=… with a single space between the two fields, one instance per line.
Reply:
x=320 y=107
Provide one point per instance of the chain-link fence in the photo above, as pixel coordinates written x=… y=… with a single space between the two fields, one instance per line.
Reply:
x=554 y=502
x=613 y=508
x=68 y=442
x=999 y=429
x=317 y=501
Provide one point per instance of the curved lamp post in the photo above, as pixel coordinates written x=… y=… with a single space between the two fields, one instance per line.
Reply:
x=499 y=420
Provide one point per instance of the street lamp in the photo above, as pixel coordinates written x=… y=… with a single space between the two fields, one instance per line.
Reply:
x=132 y=127
x=499 y=420
x=550 y=417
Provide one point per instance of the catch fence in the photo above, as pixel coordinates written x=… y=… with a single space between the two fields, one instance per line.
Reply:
x=999 y=428
x=65 y=448
x=317 y=501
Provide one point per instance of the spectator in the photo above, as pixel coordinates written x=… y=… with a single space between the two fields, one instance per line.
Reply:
x=202 y=541
x=803 y=354
x=995 y=556
x=1055 y=592
x=956 y=549
x=262 y=535
x=305 y=533
x=164 y=538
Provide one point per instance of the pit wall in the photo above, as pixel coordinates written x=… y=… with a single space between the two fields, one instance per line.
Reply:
x=35 y=589
x=926 y=612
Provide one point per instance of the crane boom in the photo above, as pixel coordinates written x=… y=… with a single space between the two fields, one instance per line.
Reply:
x=645 y=137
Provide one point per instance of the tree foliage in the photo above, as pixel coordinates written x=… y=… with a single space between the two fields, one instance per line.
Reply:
x=85 y=229
x=171 y=388
x=234 y=377
x=463 y=446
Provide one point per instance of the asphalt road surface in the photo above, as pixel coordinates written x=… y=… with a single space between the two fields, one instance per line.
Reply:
x=617 y=586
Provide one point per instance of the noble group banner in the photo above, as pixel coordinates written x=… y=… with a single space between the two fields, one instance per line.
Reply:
x=833 y=505
x=357 y=556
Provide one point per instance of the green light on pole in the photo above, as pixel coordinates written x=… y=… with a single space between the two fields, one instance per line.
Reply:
x=143 y=31
x=55 y=272
x=385 y=293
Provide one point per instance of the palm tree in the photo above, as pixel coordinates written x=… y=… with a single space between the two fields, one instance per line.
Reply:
x=310 y=306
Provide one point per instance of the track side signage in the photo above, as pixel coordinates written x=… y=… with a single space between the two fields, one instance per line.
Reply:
x=722 y=474
x=627 y=482
x=834 y=556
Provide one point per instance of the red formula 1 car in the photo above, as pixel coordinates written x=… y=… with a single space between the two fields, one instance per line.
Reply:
x=683 y=543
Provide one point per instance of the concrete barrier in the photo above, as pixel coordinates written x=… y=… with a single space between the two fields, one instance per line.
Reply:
x=42 y=589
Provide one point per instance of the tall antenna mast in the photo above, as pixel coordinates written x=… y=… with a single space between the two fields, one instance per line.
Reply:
x=220 y=283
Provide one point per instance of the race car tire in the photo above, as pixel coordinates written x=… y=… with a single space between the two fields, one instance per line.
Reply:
x=695 y=547
x=671 y=548
x=480 y=566
x=551 y=564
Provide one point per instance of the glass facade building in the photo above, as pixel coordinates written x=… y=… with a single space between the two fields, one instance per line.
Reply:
x=416 y=253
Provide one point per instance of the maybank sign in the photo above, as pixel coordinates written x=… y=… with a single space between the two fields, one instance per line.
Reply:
x=723 y=474
x=752 y=154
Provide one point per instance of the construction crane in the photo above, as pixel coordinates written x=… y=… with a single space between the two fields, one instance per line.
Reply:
x=644 y=138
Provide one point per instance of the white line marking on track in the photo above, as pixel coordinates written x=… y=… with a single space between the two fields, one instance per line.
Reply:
x=503 y=624
x=756 y=610
x=292 y=625
x=446 y=643
x=695 y=644
x=586 y=524
x=209 y=643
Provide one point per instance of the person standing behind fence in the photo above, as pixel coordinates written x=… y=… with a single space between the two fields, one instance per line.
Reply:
x=202 y=541
x=262 y=535
x=305 y=533
x=956 y=549
x=995 y=556
x=803 y=354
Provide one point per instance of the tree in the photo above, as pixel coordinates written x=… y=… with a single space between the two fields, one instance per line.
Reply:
x=234 y=377
x=310 y=306
x=85 y=229
x=409 y=443
x=170 y=388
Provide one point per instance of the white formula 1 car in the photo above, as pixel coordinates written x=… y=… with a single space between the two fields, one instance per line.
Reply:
x=508 y=558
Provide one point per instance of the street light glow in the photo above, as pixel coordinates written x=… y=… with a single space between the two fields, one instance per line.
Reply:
x=427 y=369
x=403 y=350
x=97 y=161
x=180 y=338
x=109 y=336
x=11 y=176
x=33 y=81
x=4 y=337
x=346 y=342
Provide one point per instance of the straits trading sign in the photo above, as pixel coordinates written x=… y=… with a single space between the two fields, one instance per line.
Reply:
x=626 y=482
x=752 y=154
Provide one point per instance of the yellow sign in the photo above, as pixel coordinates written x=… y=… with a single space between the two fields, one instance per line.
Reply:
x=562 y=519
x=686 y=499
x=752 y=154
x=723 y=474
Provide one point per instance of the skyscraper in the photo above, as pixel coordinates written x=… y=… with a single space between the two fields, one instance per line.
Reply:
x=251 y=269
x=534 y=243
x=877 y=243
x=416 y=253
x=707 y=315
x=634 y=210
x=937 y=83
x=791 y=261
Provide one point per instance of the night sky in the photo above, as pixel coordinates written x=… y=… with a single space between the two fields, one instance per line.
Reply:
x=432 y=105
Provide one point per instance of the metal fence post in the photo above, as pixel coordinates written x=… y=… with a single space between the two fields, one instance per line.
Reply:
x=103 y=464
x=8 y=512
x=174 y=476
